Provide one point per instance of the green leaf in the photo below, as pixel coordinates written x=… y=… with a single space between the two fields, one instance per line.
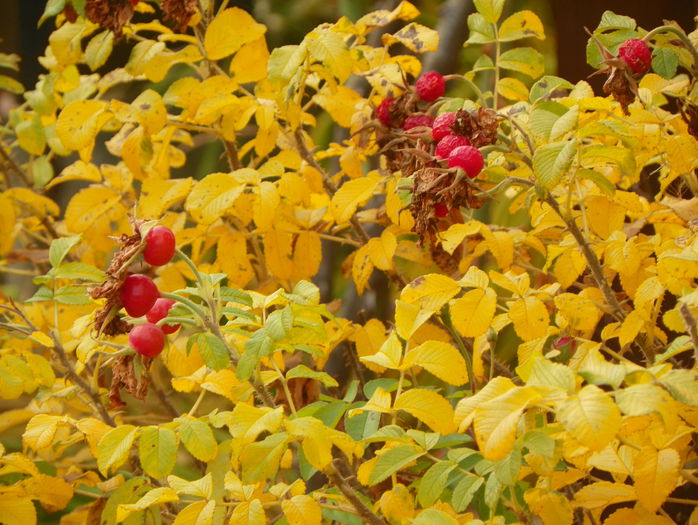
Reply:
x=42 y=171
x=678 y=345
x=433 y=482
x=60 y=247
x=493 y=491
x=99 y=49
x=392 y=461
x=130 y=492
x=53 y=7
x=597 y=156
x=599 y=179
x=481 y=31
x=157 y=448
x=113 y=448
x=507 y=469
x=31 y=135
x=490 y=10
x=74 y=295
x=279 y=323
x=465 y=490
x=197 y=438
x=213 y=351
x=610 y=20
x=664 y=62
x=551 y=161
x=304 y=371
x=610 y=41
x=260 y=461
x=539 y=442
x=546 y=85
x=81 y=271
x=434 y=517
x=544 y=116
x=44 y=293
x=233 y=295
x=525 y=60
x=362 y=425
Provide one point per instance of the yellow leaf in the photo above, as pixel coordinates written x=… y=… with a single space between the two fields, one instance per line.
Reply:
x=233 y=259
x=440 y=359
x=579 y=311
x=414 y=37
x=361 y=268
x=381 y=250
x=250 y=63
x=465 y=409
x=7 y=224
x=604 y=216
x=80 y=121
x=307 y=255
x=474 y=278
x=199 y=513
x=17 y=510
x=512 y=89
x=41 y=430
x=656 y=474
x=53 y=493
x=591 y=417
x=453 y=237
x=368 y=339
x=496 y=421
x=638 y=516
x=114 y=447
x=229 y=31
x=522 y=24
x=266 y=205
x=90 y=206
x=329 y=47
x=389 y=355
x=159 y=195
x=429 y=407
x=569 y=266
x=603 y=493
x=397 y=504
x=13 y=417
x=381 y=17
x=530 y=318
x=473 y=312
x=631 y=327
x=78 y=170
x=552 y=507
x=200 y=488
x=248 y=513
x=211 y=197
x=42 y=339
x=277 y=251
x=650 y=290
x=94 y=430
x=26 y=201
x=352 y=194
x=430 y=291
x=302 y=510
x=155 y=496
x=409 y=318
x=501 y=245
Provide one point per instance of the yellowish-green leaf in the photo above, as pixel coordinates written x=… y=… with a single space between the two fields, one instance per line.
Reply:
x=198 y=439
x=248 y=513
x=496 y=421
x=408 y=318
x=211 y=197
x=328 y=47
x=551 y=161
x=351 y=195
x=524 y=60
x=302 y=510
x=31 y=136
x=156 y=496
x=41 y=430
x=512 y=89
x=98 y=49
x=429 y=407
x=490 y=10
x=440 y=359
x=389 y=355
x=200 y=488
x=530 y=318
x=472 y=313
x=114 y=447
x=522 y=24
x=591 y=417
x=547 y=374
x=198 y=513
x=157 y=449
x=229 y=31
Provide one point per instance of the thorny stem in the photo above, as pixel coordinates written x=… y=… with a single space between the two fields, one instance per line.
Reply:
x=691 y=327
x=231 y=151
x=361 y=509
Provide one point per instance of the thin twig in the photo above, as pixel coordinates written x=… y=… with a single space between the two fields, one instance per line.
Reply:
x=691 y=327
x=361 y=509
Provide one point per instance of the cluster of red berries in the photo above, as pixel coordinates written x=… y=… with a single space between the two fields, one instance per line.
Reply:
x=140 y=296
x=456 y=148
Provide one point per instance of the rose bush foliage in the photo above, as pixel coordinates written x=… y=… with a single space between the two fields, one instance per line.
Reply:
x=540 y=364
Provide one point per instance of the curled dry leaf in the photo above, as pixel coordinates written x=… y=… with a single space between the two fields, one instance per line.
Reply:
x=109 y=14
x=179 y=11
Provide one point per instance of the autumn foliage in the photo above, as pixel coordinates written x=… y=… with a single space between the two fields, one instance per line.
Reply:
x=539 y=240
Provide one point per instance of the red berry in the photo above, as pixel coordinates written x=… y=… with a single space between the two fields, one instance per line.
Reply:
x=159 y=311
x=468 y=158
x=447 y=144
x=415 y=121
x=440 y=210
x=147 y=339
x=430 y=86
x=636 y=54
x=383 y=111
x=442 y=126
x=159 y=246
x=138 y=294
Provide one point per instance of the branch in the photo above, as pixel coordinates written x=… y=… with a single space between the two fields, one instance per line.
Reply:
x=592 y=260
x=691 y=327
x=361 y=509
